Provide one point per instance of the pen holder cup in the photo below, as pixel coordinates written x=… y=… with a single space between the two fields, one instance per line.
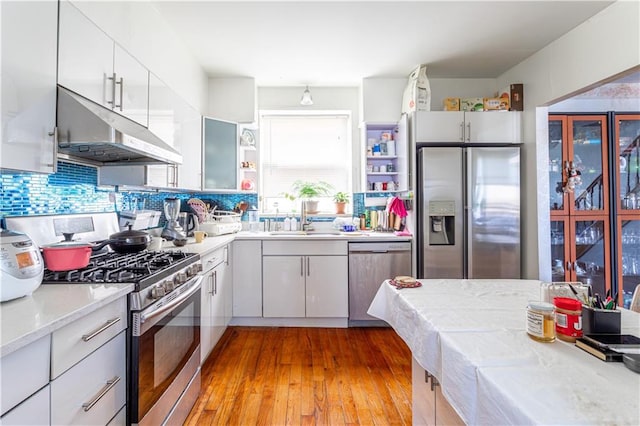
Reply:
x=600 y=321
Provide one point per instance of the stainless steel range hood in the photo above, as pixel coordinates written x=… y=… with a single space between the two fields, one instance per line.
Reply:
x=92 y=133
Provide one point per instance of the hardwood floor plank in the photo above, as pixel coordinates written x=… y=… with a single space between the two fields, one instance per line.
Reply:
x=305 y=376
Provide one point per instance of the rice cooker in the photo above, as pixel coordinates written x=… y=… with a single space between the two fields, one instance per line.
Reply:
x=21 y=265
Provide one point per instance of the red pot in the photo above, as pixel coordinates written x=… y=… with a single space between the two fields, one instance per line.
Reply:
x=66 y=257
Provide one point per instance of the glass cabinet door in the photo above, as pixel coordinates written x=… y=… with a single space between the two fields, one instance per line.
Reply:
x=590 y=253
x=560 y=266
x=557 y=161
x=588 y=161
x=220 y=144
x=629 y=259
x=628 y=162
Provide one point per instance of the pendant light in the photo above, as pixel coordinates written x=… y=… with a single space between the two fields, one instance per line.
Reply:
x=306 y=98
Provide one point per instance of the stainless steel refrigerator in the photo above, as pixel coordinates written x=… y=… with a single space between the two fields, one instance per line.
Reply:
x=469 y=212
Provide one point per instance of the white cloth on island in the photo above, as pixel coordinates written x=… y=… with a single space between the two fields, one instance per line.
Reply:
x=471 y=335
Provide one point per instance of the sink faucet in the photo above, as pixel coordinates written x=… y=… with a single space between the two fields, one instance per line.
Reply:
x=305 y=224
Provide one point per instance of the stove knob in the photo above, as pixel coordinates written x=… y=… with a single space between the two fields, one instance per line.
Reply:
x=180 y=278
x=157 y=292
x=168 y=286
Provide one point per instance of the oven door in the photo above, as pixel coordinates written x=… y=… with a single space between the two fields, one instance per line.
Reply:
x=164 y=354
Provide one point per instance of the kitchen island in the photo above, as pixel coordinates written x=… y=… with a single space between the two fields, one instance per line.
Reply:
x=470 y=335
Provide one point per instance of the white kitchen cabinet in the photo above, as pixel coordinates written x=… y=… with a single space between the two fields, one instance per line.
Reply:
x=93 y=391
x=216 y=298
x=28 y=137
x=220 y=154
x=247 y=278
x=35 y=410
x=467 y=127
x=94 y=66
x=24 y=372
x=429 y=404
x=305 y=279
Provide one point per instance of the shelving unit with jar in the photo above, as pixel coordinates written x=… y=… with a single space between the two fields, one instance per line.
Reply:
x=627 y=204
x=385 y=157
x=248 y=158
x=579 y=200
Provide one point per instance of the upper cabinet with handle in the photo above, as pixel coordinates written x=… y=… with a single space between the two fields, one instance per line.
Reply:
x=91 y=64
x=28 y=131
x=467 y=127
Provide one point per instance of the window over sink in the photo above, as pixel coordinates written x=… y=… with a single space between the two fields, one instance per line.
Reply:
x=310 y=146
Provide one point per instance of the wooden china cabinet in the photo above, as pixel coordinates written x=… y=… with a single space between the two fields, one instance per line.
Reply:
x=627 y=204
x=579 y=200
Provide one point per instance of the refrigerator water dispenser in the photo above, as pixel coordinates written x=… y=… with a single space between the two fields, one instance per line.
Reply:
x=442 y=223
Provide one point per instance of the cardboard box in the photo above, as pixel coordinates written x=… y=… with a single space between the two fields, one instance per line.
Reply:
x=472 y=104
x=451 y=104
x=514 y=93
x=496 y=104
x=517 y=97
x=417 y=94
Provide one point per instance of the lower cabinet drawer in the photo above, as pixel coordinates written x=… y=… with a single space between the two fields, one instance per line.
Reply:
x=33 y=411
x=24 y=372
x=77 y=340
x=93 y=391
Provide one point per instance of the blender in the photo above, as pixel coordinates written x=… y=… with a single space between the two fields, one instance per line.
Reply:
x=172 y=230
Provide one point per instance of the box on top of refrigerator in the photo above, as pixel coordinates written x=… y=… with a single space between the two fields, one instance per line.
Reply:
x=417 y=94
x=514 y=93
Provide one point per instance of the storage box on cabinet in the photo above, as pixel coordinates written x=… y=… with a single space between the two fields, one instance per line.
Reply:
x=77 y=340
x=94 y=390
x=24 y=372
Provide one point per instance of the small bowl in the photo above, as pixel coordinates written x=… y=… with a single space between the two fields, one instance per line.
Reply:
x=179 y=242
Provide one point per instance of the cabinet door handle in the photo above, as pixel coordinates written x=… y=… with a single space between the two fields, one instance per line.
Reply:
x=112 y=102
x=107 y=387
x=462 y=131
x=469 y=132
x=54 y=160
x=434 y=383
x=215 y=282
x=568 y=265
x=87 y=337
x=211 y=284
x=121 y=83
x=308 y=267
x=301 y=266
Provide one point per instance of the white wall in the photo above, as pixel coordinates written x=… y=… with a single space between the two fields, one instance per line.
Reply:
x=324 y=98
x=141 y=30
x=604 y=46
x=233 y=99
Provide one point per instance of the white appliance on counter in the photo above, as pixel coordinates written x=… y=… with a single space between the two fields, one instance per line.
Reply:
x=222 y=222
x=21 y=265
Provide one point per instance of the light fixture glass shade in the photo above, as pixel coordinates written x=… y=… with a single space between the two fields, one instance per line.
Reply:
x=306 y=98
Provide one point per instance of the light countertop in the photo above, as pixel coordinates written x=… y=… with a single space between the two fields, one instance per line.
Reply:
x=50 y=307
x=471 y=335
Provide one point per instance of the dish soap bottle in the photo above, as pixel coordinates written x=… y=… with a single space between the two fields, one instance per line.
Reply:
x=294 y=223
x=287 y=224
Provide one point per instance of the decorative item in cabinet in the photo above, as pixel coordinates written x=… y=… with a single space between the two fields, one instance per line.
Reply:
x=628 y=258
x=248 y=153
x=628 y=163
x=382 y=159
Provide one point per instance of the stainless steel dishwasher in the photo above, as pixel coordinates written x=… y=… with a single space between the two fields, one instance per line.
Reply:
x=370 y=264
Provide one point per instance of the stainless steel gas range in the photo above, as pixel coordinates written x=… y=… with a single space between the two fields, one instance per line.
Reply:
x=163 y=346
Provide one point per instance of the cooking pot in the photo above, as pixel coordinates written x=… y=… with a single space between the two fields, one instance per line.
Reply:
x=68 y=255
x=21 y=265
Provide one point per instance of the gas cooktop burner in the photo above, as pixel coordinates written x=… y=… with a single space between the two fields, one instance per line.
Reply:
x=143 y=268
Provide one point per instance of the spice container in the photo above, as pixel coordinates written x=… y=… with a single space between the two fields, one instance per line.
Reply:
x=568 y=318
x=541 y=321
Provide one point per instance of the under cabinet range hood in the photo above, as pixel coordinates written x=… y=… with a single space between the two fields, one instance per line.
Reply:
x=92 y=133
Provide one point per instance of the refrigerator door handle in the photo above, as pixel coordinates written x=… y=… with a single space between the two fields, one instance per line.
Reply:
x=462 y=131
x=467 y=176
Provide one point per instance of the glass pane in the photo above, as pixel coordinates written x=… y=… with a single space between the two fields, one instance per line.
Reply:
x=630 y=258
x=587 y=159
x=590 y=264
x=555 y=165
x=558 y=260
x=220 y=150
x=629 y=163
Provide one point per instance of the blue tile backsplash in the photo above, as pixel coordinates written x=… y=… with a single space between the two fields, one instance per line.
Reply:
x=73 y=189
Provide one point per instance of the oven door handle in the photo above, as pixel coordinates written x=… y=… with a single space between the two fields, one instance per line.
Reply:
x=175 y=302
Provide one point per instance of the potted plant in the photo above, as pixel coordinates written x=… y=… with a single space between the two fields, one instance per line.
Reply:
x=309 y=191
x=341 y=199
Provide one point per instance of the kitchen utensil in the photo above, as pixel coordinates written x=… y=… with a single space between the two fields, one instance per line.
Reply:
x=189 y=223
x=129 y=241
x=155 y=244
x=21 y=265
x=199 y=236
x=199 y=208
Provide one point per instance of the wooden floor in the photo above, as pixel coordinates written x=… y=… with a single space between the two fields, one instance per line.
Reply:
x=306 y=376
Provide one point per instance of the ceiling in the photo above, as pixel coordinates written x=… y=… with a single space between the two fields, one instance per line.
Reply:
x=338 y=43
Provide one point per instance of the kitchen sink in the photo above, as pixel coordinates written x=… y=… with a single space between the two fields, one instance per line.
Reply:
x=308 y=233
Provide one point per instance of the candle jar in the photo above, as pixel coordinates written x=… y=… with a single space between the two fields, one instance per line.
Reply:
x=541 y=321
